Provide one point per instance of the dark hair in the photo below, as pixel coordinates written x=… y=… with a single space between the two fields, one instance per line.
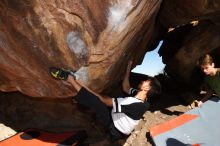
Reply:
x=155 y=87
x=206 y=59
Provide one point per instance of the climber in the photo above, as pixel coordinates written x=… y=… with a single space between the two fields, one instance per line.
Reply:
x=212 y=79
x=126 y=112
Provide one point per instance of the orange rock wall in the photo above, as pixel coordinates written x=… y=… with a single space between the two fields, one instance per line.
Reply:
x=97 y=39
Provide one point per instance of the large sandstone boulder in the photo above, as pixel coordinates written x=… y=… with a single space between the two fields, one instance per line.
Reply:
x=177 y=13
x=196 y=32
x=94 y=38
x=181 y=52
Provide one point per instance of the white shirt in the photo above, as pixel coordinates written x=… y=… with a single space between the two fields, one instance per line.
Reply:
x=126 y=113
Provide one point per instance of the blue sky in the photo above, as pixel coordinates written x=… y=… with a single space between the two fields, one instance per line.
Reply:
x=152 y=63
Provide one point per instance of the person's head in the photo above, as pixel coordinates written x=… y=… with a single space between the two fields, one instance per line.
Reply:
x=207 y=65
x=151 y=86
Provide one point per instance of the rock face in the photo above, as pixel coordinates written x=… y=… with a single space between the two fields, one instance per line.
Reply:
x=21 y=112
x=96 y=39
x=188 y=42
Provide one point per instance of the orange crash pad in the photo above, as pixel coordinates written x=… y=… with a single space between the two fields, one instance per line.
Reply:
x=35 y=137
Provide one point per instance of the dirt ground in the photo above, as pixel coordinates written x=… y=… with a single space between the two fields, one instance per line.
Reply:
x=157 y=115
x=162 y=110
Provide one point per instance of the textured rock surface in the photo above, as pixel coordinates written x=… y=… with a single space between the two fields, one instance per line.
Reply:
x=177 y=13
x=187 y=42
x=181 y=52
x=21 y=112
x=96 y=39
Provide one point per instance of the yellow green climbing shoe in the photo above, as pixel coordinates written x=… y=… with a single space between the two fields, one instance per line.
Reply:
x=59 y=73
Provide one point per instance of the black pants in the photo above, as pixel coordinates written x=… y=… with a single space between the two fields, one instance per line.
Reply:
x=103 y=114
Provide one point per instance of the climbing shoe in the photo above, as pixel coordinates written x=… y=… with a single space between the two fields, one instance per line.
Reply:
x=60 y=73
